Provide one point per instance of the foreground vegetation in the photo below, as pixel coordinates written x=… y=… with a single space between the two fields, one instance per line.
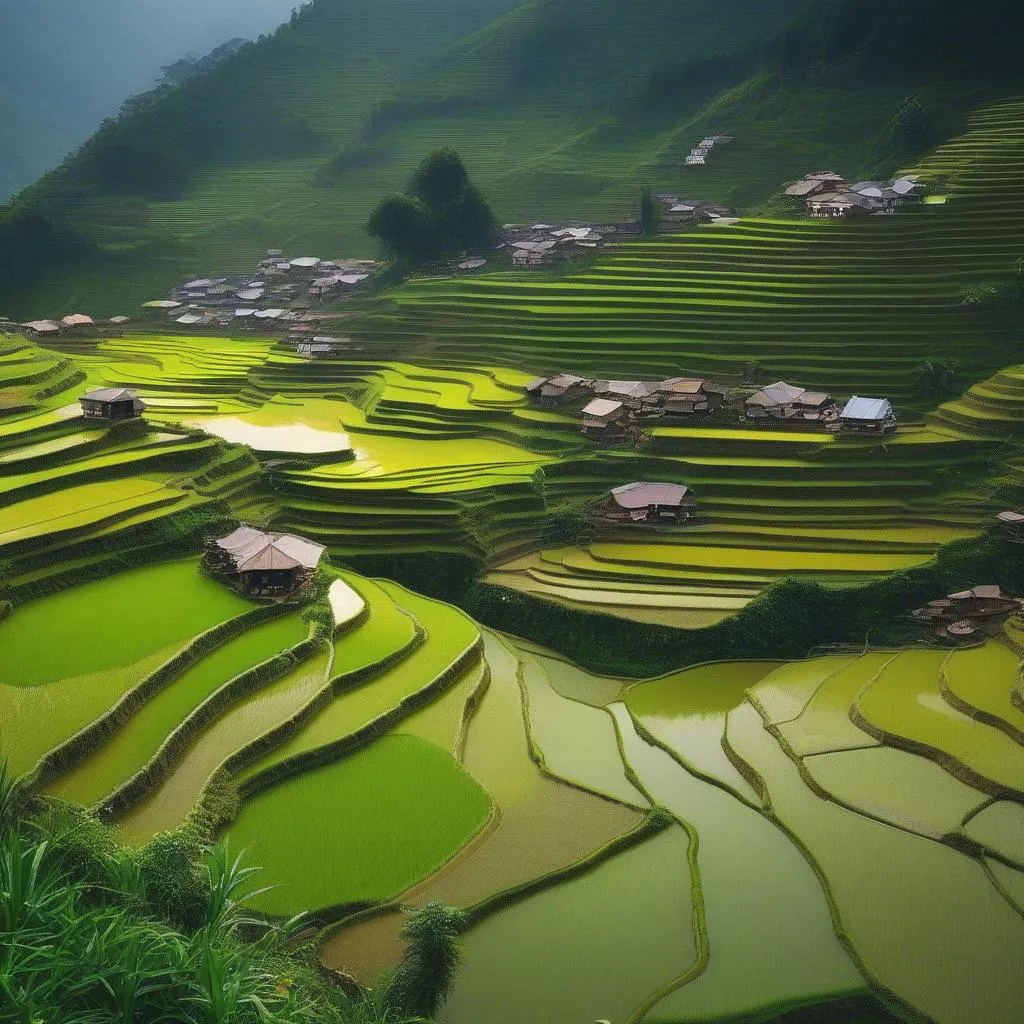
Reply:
x=91 y=931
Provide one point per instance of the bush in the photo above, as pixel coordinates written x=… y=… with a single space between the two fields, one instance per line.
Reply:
x=170 y=881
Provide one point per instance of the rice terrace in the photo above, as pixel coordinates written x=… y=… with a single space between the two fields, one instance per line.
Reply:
x=648 y=592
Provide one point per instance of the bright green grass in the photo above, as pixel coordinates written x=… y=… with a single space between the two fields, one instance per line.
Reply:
x=111 y=623
x=364 y=828
x=136 y=743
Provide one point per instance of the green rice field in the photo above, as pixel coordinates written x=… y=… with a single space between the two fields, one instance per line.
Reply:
x=818 y=804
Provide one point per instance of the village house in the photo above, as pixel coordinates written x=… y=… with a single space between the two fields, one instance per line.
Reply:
x=41 y=328
x=964 y=615
x=565 y=387
x=77 y=323
x=1013 y=525
x=680 y=212
x=698 y=156
x=260 y=564
x=868 y=415
x=686 y=396
x=604 y=420
x=817 y=181
x=650 y=503
x=782 y=401
x=111 y=404
x=634 y=394
x=840 y=206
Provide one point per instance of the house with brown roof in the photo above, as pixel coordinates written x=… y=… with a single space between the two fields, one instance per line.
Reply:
x=261 y=564
x=41 y=328
x=604 y=419
x=688 y=396
x=782 y=401
x=562 y=388
x=649 y=503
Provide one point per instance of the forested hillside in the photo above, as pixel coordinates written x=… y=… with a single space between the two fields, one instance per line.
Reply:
x=560 y=108
x=67 y=65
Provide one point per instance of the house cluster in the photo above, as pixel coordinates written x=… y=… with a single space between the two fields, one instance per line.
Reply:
x=679 y=212
x=76 y=325
x=829 y=195
x=305 y=342
x=279 y=289
x=260 y=564
x=698 y=156
x=968 y=614
x=651 y=504
x=612 y=407
x=539 y=245
x=793 y=405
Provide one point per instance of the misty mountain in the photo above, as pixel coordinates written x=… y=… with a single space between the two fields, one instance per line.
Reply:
x=68 y=64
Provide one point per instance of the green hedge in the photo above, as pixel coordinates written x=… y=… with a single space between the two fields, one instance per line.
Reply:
x=88 y=740
x=177 y=742
x=310 y=759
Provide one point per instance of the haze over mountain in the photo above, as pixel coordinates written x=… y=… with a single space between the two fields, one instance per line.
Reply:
x=68 y=64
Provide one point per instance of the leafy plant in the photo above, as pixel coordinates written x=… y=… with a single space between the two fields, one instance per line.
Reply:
x=424 y=976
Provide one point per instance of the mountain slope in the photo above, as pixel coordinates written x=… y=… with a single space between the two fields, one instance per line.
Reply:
x=561 y=108
x=67 y=65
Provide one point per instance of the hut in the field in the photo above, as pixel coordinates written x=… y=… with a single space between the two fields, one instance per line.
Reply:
x=651 y=503
x=565 y=387
x=260 y=564
x=868 y=416
x=111 y=404
x=968 y=613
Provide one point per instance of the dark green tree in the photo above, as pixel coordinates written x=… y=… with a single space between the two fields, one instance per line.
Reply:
x=442 y=213
x=424 y=976
x=648 y=213
x=407 y=227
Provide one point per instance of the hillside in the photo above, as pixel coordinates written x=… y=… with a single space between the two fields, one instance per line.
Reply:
x=68 y=65
x=560 y=108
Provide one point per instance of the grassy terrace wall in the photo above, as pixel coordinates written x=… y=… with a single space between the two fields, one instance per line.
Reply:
x=857 y=306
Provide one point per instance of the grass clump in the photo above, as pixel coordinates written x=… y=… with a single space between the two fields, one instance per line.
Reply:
x=87 y=935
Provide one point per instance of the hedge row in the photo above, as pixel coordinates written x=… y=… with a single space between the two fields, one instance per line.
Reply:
x=176 y=535
x=469 y=710
x=177 y=742
x=88 y=740
x=329 y=752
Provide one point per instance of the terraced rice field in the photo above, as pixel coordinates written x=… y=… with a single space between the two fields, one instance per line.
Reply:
x=726 y=842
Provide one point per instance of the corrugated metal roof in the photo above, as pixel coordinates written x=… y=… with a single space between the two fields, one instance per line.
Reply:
x=858 y=408
x=253 y=550
x=110 y=395
x=601 y=407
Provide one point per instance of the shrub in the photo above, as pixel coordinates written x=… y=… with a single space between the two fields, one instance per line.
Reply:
x=171 y=883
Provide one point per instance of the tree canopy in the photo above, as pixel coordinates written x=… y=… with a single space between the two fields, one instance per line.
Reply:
x=441 y=213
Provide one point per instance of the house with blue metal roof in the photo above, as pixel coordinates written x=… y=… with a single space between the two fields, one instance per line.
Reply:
x=868 y=415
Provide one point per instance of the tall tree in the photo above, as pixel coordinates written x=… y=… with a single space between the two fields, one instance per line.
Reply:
x=648 y=213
